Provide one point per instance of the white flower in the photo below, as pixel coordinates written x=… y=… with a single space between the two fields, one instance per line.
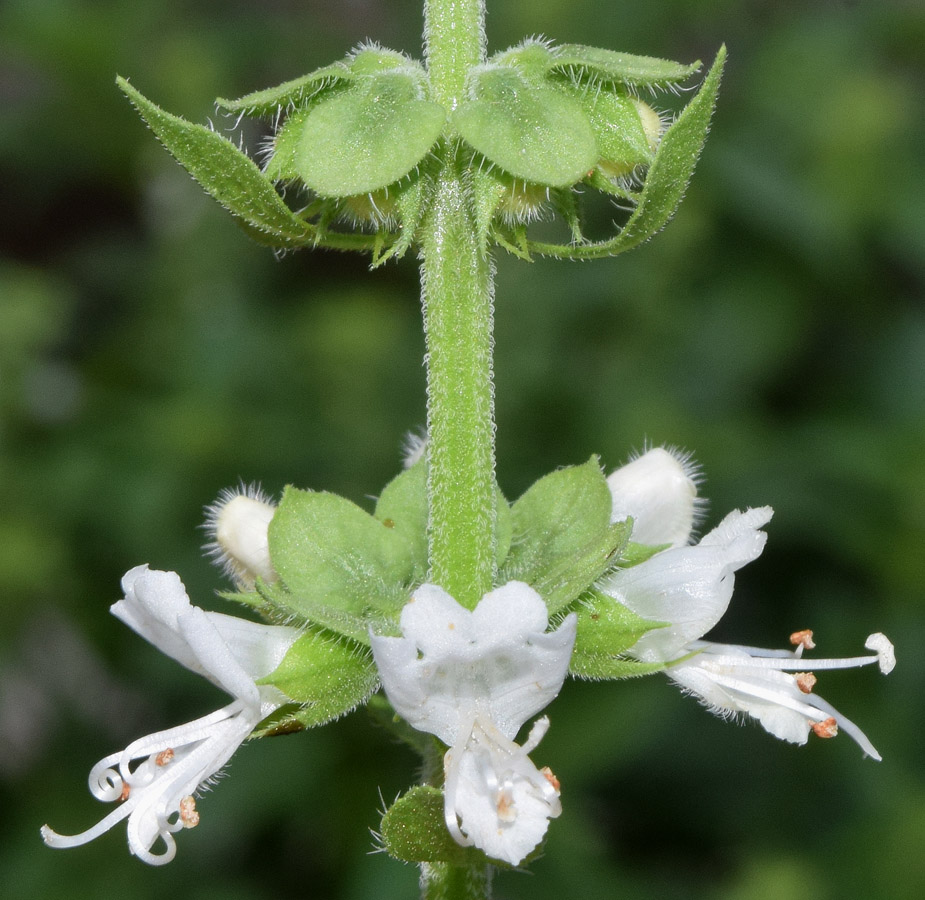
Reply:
x=238 y=524
x=473 y=679
x=156 y=794
x=732 y=680
x=659 y=490
x=688 y=587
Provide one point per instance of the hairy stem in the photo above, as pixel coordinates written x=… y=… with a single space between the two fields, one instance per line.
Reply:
x=457 y=280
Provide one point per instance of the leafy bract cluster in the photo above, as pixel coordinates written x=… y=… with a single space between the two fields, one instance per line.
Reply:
x=363 y=138
x=345 y=575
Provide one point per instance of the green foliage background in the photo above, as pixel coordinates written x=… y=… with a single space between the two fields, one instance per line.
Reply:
x=150 y=355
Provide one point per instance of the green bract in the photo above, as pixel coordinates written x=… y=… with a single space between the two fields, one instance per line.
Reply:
x=338 y=566
x=606 y=630
x=326 y=675
x=364 y=137
x=526 y=127
x=563 y=540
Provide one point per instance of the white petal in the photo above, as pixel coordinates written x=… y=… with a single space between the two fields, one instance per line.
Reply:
x=659 y=490
x=229 y=651
x=688 y=587
x=451 y=662
x=238 y=523
x=735 y=680
x=172 y=766
x=496 y=798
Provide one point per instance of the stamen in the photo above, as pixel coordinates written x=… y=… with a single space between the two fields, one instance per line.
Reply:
x=548 y=774
x=827 y=728
x=188 y=814
x=806 y=681
x=886 y=654
x=803 y=639
x=164 y=757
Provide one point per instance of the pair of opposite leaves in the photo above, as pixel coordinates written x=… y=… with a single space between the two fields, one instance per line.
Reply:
x=546 y=115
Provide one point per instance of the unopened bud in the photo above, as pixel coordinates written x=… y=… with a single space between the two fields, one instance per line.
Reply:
x=238 y=523
x=659 y=490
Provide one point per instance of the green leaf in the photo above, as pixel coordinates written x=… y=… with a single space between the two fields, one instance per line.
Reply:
x=402 y=507
x=339 y=567
x=414 y=830
x=606 y=630
x=667 y=178
x=530 y=129
x=563 y=540
x=226 y=173
x=368 y=136
x=289 y=94
x=327 y=675
x=620 y=67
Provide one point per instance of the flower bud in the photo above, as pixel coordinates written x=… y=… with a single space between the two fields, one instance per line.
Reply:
x=659 y=490
x=238 y=523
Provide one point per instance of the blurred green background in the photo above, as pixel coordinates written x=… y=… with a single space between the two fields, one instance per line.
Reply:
x=150 y=355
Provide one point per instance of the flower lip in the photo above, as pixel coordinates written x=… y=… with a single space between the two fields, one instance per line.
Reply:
x=688 y=587
x=152 y=796
x=156 y=794
x=732 y=679
x=473 y=678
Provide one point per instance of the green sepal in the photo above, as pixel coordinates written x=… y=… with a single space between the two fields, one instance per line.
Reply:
x=606 y=630
x=326 y=675
x=618 y=128
x=633 y=554
x=666 y=181
x=414 y=830
x=368 y=136
x=338 y=566
x=226 y=173
x=487 y=188
x=625 y=68
x=563 y=540
x=566 y=204
x=412 y=198
x=250 y=599
x=529 y=128
x=513 y=240
x=601 y=183
x=288 y=95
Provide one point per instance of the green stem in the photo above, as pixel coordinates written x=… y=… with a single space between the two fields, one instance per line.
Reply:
x=454 y=41
x=440 y=881
x=457 y=281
